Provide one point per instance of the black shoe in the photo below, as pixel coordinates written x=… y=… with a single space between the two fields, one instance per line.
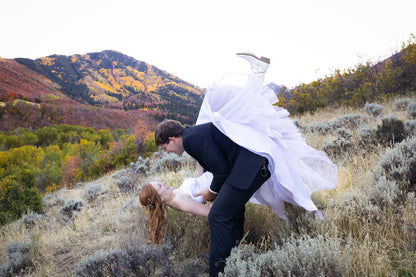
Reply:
x=207 y=255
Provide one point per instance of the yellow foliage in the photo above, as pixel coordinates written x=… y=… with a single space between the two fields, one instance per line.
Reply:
x=47 y=61
x=85 y=145
x=151 y=87
x=104 y=71
x=52 y=188
x=104 y=97
x=131 y=82
x=28 y=153
x=113 y=82
x=108 y=76
x=53 y=148
x=180 y=96
x=106 y=87
x=140 y=75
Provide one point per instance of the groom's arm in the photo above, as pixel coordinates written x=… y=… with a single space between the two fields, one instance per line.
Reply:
x=207 y=195
x=216 y=163
x=204 y=150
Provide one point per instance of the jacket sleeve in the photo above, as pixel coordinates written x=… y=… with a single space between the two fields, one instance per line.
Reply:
x=204 y=150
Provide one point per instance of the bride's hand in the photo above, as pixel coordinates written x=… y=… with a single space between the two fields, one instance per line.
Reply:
x=206 y=195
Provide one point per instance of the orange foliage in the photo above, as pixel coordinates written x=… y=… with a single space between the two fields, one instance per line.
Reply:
x=70 y=169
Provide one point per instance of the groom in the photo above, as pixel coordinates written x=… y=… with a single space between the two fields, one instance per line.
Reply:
x=237 y=172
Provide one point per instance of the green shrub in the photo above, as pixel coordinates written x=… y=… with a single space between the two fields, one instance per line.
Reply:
x=338 y=148
x=171 y=162
x=348 y=121
x=126 y=180
x=410 y=127
x=192 y=267
x=142 y=166
x=344 y=133
x=402 y=103
x=21 y=255
x=70 y=206
x=391 y=131
x=395 y=175
x=127 y=152
x=135 y=260
x=320 y=127
x=29 y=219
x=307 y=256
x=373 y=109
x=411 y=111
x=18 y=195
x=366 y=135
x=27 y=137
x=91 y=192
x=50 y=168
x=149 y=147
x=50 y=200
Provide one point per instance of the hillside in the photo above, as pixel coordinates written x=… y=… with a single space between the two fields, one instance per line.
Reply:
x=99 y=228
x=106 y=83
x=353 y=87
x=112 y=79
x=16 y=79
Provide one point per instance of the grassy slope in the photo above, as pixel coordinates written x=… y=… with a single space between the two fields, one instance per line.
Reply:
x=115 y=219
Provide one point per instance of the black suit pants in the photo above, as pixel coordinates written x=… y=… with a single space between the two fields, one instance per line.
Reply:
x=226 y=219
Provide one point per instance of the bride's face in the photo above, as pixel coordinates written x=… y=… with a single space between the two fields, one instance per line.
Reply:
x=162 y=189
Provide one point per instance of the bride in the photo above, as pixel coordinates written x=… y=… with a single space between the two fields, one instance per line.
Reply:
x=156 y=195
x=247 y=115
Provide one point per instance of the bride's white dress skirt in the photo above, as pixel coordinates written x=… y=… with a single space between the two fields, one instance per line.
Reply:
x=247 y=116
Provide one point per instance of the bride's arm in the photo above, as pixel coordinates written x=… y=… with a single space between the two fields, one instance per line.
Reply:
x=186 y=204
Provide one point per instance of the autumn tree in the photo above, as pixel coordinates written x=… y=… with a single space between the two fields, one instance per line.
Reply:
x=18 y=194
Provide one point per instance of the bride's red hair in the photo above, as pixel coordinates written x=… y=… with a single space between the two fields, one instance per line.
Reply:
x=151 y=199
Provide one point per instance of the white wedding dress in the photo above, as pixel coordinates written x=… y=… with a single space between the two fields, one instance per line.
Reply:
x=247 y=116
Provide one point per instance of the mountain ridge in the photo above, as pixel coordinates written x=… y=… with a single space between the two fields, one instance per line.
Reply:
x=106 y=80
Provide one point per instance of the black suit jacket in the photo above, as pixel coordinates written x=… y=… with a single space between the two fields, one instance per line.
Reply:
x=218 y=154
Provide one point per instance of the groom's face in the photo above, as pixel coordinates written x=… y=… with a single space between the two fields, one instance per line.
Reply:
x=173 y=146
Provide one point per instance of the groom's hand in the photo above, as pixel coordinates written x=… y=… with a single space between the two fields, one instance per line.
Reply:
x=206 y=195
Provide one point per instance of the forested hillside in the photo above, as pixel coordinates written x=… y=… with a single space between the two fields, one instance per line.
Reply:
x=53 y=157
x=112 y=79
x=67 y=119
x=101 y=90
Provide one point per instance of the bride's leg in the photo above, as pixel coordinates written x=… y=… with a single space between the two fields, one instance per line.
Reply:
x=258 y=65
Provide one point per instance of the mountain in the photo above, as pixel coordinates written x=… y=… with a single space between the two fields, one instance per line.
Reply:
x=276 y=88
x=17 y=80
x=105 y=84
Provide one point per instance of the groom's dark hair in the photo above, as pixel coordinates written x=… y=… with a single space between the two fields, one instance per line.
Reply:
x=166 y=129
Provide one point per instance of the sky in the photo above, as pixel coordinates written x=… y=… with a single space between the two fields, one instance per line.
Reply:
x=197 y=40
